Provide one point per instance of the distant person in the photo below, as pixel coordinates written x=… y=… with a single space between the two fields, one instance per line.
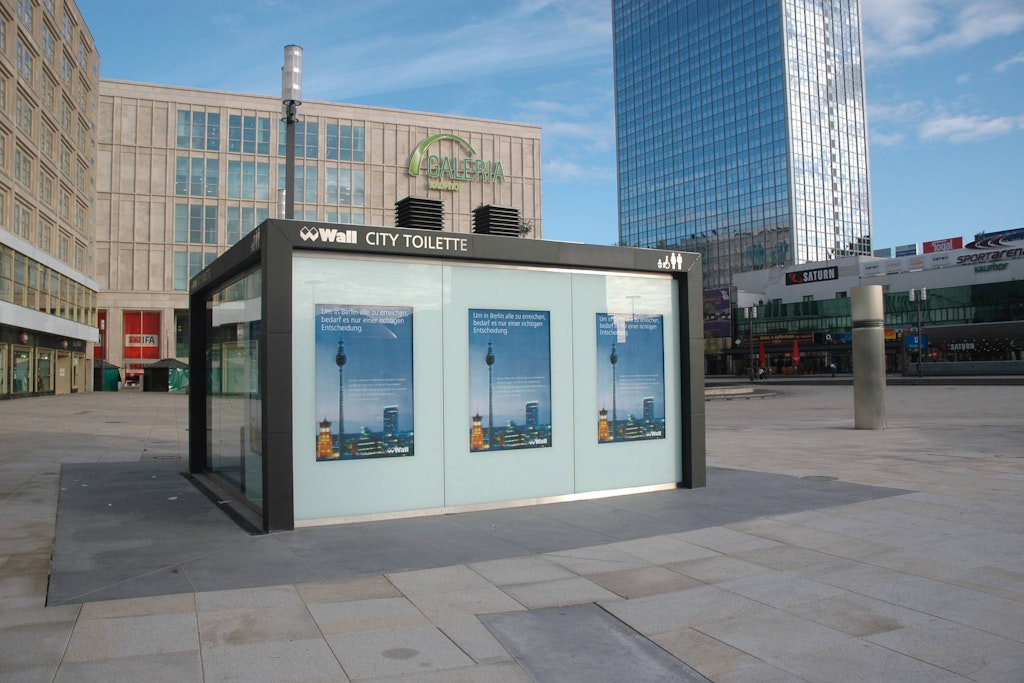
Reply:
x=832 y=367
x=760 y=373
x=750 y=373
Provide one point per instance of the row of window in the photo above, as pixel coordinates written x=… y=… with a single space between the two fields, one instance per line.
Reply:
x=26 y=282
x=25 y=223
x=199 y=177
x=200 y=223
x=200 y=130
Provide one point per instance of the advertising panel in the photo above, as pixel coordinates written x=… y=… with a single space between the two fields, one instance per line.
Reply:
x=630 y=377
x=509 y=379
x=949 y=244
x=364 y=387
x=906 y=250
x=717 y=313
x=803 y=277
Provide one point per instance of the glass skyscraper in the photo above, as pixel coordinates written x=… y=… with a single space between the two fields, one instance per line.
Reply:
x=741 y=131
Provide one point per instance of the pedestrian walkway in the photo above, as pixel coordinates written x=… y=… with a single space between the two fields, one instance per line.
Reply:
x=817 y=553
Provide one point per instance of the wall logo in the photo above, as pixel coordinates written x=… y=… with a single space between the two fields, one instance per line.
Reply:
x=444 y=172
x=673 y=261
x=311 y=234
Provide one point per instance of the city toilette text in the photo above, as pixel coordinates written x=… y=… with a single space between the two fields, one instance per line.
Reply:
x=386 y=239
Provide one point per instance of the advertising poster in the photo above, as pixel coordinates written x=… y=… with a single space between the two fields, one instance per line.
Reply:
x=364 y=398
x=509 y=379
x=630 y=377
x=717 y=313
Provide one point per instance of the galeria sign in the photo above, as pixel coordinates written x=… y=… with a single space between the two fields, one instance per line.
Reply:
x=445 y=172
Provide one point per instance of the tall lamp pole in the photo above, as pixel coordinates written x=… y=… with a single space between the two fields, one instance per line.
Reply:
x=918 y=296
x=291 y=96
x=752 y=316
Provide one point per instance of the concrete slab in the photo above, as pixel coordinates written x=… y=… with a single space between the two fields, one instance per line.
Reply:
x=583 y=643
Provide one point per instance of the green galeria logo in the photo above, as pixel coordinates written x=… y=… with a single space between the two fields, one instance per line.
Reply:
x=444 y=172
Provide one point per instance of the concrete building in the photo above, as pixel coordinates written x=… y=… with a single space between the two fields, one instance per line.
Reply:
x=741 y=131
x=183 y=174
x=49 y=76
x=970 y=321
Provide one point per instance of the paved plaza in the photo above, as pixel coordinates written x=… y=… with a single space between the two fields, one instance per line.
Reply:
x=816 y=553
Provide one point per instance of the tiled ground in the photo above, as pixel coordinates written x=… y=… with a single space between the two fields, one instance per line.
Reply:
x=926 y=585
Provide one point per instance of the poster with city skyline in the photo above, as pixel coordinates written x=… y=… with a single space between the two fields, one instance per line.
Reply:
x=509 y=379
x=364 y=382
x=630 y=377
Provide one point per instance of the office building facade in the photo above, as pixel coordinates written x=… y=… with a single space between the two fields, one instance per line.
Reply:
x=741 y=131
x=185 y=173
x=49 y=76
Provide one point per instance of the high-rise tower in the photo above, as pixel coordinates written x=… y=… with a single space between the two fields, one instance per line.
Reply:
x=741 y=131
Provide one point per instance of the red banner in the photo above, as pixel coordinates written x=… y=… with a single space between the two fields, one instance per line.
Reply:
x=142 y=334
x=942 y=245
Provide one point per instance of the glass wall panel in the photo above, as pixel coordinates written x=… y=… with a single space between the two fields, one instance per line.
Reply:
x=234 y=447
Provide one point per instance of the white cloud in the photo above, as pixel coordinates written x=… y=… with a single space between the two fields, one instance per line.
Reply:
x=899 y=112
x=910 y=28
x=885 y=139
x=1012 y=61
x=970 y=128
x=963 y=79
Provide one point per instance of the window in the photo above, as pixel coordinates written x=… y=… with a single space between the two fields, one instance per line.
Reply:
x=3 y=149
x=44 y=236
x=83 y=55
x=65 y=160
x=65 y=28
x=46 y=141
x=49 y=88
x=24 y=62
x=63 y=246
x=79 y=256
x=196 y=176
x=195 y=224
x=63 y=203
x=344 y=187
x=241 y=220
x=249 y=134
x=307 y=139
x=47 y=43
x=198 y=130
x=305 y=182
x=3 y=92
x=25 y=13
x=66 y=69
x=23 y=116
x=79 y=217
x=249 y=180
x=345 y=142
x=45 y=187
x=22 y=222
x=23 y=167
x=188 y=264
x=3 y=34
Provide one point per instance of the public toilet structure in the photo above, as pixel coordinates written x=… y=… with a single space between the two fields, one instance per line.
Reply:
x=343 y=373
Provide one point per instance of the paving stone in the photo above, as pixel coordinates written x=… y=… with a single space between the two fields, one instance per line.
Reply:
x=344 y=590
x=171 y=667
x=768 y=633
x=857 y=660
x=515 y=570
x=129 y=636
x=639 y=583
x=256 y=625
x=297 y=661
x=574 y=591
x=710 y=657
x=366 y=615
x=948 y=645
x=394 y=652
x=584 y=643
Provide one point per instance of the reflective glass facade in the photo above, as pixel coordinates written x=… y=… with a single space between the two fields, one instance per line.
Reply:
x=741 y=131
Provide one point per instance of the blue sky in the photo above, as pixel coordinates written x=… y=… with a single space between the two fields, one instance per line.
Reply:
x=945 y=83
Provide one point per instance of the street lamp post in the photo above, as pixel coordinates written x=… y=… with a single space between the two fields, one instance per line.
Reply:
x=751 y=317
x=918 y=296
x=291 y=97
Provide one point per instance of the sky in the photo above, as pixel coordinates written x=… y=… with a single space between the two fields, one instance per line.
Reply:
x=945 y=88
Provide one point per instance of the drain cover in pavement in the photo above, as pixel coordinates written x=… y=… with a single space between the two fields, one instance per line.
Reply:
x=583 y=643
